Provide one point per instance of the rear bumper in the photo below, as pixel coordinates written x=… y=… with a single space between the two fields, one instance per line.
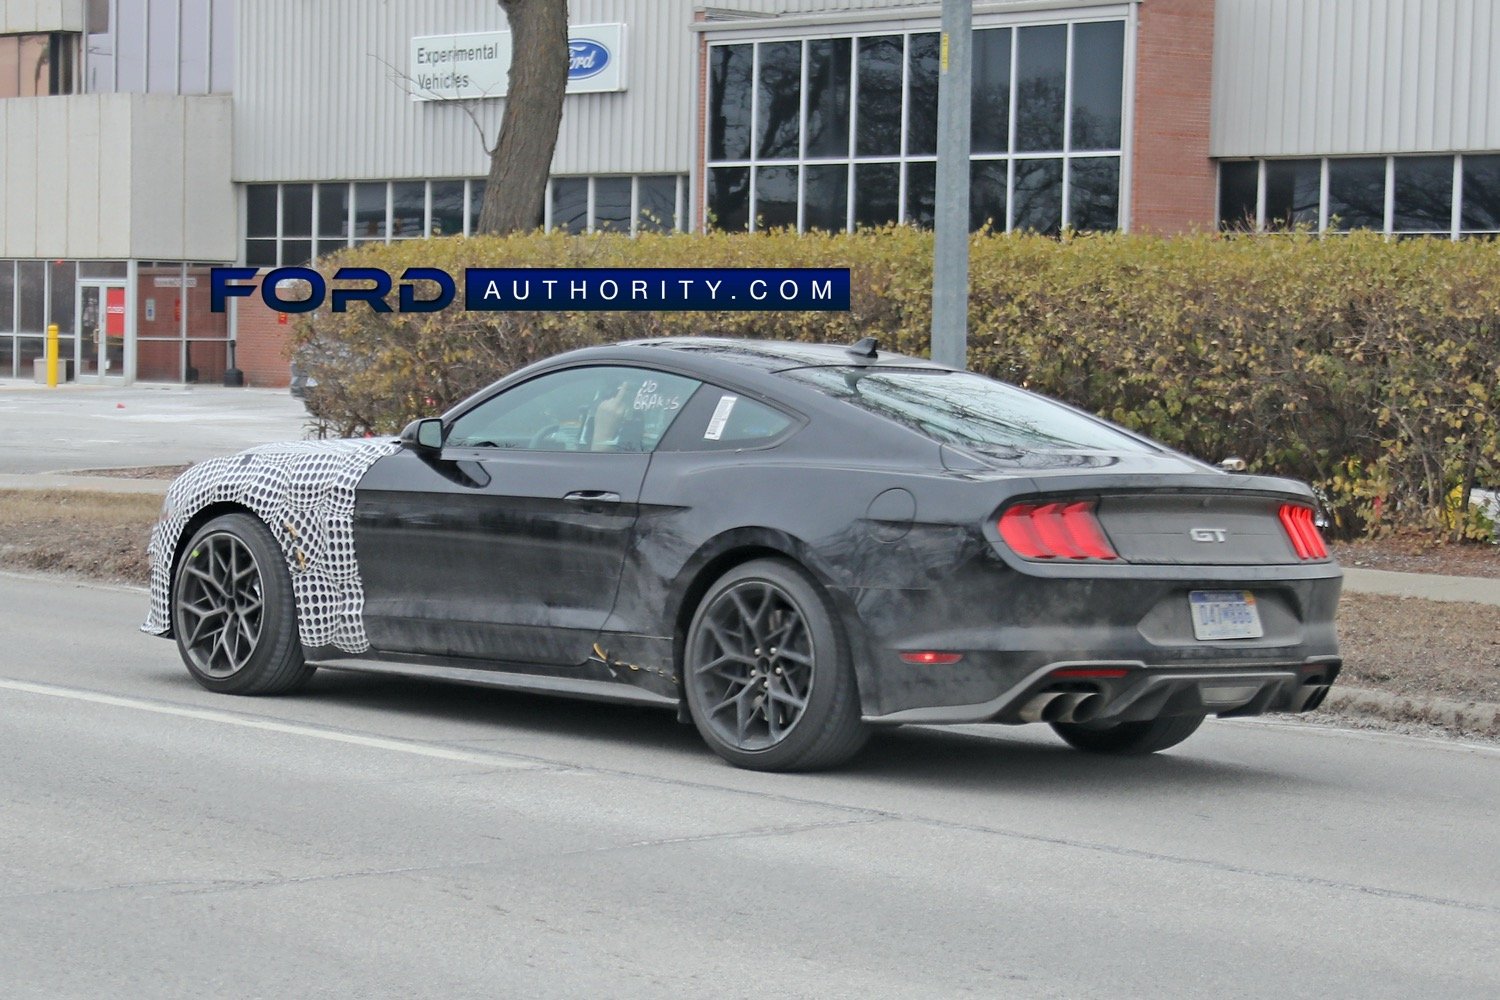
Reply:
x=1140 y=692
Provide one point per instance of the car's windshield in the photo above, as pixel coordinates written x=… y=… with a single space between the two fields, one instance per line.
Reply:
x=966 y=409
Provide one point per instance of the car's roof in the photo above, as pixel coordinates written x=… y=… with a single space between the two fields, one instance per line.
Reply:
x=779 y=355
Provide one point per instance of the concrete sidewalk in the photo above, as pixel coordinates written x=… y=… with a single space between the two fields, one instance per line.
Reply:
x=1428 y=586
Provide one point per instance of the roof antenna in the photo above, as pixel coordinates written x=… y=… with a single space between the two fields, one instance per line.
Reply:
x=865 y=348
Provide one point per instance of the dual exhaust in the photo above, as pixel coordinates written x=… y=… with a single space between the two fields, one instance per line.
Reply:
x=1062 y=706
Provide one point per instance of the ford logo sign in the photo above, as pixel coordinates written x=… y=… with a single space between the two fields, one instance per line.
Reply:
x=586 y=58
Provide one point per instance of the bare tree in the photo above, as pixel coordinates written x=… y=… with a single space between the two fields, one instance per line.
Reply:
x=522 y=158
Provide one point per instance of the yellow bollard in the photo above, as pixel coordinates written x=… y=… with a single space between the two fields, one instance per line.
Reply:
x=52 y=356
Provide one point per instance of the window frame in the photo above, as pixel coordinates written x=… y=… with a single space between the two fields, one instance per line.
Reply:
x=904 y=158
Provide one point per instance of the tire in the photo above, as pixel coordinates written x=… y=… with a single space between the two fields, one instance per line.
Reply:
x=794 y=709
x=1129 y=739
x=233 y=612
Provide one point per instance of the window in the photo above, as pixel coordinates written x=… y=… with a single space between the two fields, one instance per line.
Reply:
x=38 y=65
x=291 y=224
x=160 y=46
x=839 y=133
x=614 y=409
x=1481 y=198
x=621 y=204
x=724 y=420
x=1446 y=196
x=966 y=409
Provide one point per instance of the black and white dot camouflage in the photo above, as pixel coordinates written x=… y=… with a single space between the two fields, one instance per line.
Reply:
x=304 y=492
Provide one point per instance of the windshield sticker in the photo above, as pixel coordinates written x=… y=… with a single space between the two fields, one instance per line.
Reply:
x=720 y=418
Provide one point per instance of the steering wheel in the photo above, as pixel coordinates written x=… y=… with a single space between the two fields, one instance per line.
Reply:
x=541 y=436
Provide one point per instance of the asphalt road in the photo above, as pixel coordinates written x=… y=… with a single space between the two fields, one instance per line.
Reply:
x=383 y=837
x=77 y=427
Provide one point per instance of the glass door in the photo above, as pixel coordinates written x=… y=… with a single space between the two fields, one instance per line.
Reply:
x=100 y=347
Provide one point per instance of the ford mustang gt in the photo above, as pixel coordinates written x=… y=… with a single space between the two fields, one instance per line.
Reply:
x=786 y=543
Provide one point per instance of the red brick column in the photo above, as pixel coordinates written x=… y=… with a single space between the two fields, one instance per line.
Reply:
x=262 y=341
x=1172 y=181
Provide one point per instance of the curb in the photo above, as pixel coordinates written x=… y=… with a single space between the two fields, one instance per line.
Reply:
x=1468 y=718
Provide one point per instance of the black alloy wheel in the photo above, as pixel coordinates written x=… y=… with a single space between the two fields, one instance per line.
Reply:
x=233 y=612
x=768 y=676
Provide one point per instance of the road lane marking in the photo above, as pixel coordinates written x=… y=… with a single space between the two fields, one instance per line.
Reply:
x=266 y=725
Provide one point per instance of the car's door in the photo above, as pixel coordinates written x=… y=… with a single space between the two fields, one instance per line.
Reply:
x=508 y=544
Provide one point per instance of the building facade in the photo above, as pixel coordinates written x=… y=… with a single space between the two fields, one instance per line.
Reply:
x=143 y=141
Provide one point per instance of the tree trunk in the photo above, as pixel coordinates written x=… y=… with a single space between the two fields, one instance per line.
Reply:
x=521 y=160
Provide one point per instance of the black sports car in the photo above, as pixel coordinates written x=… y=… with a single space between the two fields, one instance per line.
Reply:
x=786 y=543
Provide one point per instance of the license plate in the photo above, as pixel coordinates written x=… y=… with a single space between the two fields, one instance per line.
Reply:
x=1224 y=614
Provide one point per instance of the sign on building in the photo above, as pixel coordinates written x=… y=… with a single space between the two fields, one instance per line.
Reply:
x=477 y=65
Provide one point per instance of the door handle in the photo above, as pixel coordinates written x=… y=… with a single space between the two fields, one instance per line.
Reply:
x=592 y=496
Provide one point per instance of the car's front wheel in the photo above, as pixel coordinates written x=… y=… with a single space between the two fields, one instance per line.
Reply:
x=1129 y=738
x=233 y=611
x=767 y=672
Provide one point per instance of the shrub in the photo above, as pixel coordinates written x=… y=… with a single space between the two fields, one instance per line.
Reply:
x=1369 y=367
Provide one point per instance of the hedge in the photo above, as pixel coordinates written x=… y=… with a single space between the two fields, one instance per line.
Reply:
x=1366 y=366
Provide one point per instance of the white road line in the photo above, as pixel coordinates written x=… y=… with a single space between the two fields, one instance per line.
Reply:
x=266 y=725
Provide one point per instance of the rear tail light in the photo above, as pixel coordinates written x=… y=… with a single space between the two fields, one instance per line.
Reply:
x=1060 y=530
x=1298 y=522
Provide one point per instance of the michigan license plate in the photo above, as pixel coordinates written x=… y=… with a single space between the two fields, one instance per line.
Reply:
x=1224 y=614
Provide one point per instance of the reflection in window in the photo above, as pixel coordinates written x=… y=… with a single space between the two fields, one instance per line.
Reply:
x=570 y=204
x=408 y=210
x=877 y=191
x=447 y=208
x=921 y=184
x=828 y=96
x=1098 y=77
x=1041 y=80
x=970 y=410
x=878 y=120
x=922 y=94
x=987 y=183
x=1423 y=194
x=1094 y=191
x=296 y=210
x=778 y=113
x=1356 y=193
x=775 y=197
x=1293 y=190
x=729 y=97
x=612 y=204
x=1239 y=185
x=882 y=125
x=656 y=203
x=826 y=204
x=1481 y=202
x=989 y=117
x=729 y=198
x=369 y=212
x=1038 y=196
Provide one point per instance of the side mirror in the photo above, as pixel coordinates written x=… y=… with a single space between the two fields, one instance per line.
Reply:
x=425 y=434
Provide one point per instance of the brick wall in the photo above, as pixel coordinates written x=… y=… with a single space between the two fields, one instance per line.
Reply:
x=1172 y=186
x=261 y=342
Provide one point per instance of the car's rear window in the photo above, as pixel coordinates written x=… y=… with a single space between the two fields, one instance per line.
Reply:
x=966 y=409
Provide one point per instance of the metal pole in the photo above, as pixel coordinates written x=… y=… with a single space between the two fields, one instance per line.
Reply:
x=950 y=258
x=52 y=356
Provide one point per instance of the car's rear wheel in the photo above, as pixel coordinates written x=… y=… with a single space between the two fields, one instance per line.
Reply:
x=1129 y=738
x=233 y=612
x=767 y=672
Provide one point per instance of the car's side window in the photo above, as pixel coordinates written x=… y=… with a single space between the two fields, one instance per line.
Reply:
x=722 y=419
x=602 y=408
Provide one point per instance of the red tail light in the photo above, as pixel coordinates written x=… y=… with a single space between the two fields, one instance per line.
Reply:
x=1298 y=522
x=1059 y=530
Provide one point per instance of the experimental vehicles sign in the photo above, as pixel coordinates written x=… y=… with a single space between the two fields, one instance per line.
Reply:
x=477 y=65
